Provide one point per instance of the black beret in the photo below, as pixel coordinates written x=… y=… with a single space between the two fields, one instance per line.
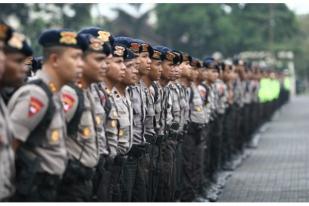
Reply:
x=129 y=43
x=210 y=63
x=103 y=36
x=167 y=53
x=130 y=55
x=145 y=47
x=196 y=63
x=18 y=43
x=119 y=50
x=178 y=59
x=94 y=44
x=61 y=37
x=157 y=55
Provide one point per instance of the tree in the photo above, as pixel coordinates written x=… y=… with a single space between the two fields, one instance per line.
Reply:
x=204 y=28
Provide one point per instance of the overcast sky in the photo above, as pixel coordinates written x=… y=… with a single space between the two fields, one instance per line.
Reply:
x=299 y=7
x=106 y=8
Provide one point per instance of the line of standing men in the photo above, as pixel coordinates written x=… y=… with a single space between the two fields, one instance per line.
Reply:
x=115 y=119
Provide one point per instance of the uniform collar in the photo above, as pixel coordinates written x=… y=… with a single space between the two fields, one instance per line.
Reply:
x=47 y=80
x=106 y=90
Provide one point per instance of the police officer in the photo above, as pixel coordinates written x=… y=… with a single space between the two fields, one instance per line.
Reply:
x=84 y=116
x=139 y=160
x=124 y=128
x=210 y=110
x=152 y=121
x=17 y=52
x=100 y=185
x=239 y=89
x=38 y=120
x=193 y=140
x=228 y=150
x=166 y=162
x=7 y=159
x=106 y=179
x=178 y=104
x=221 y=91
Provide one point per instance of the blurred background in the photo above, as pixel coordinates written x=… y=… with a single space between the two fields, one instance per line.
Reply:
x=269 y=33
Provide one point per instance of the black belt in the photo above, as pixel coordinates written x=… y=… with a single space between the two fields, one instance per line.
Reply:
x=48 y=179
x=152 y=139
x=138 y=150
x=76 y=169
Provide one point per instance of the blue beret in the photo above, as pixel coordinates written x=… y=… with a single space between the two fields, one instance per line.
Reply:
x=145 y=47
x=178 y=59
x=18 y=43
x=119 y=47
x=94 y=44
x=157 y=55
x=167 y=53
x=196 y=63
x=210 y=63
x=135 y=45
x=103 y=36
x=128 y=43
x=119 y=50
x=61 y=37
x=5 y=32
x=130 y=55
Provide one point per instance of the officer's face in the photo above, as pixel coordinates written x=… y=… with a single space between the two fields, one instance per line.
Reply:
x=204 y=74
x=167 y=69
x=130 y=73
x=200 y=76
x=190 y=74
x=95 y=67
x=194 y=74
x=116 y=69
x=180 y=68
x=144 y=63
x=185 y=68
x=212 y=75
x=15 y=70
x=215 y=74
x=2 y=58
x=227 y=74
x=69 y=65
x=155 y=70
x=176 y=73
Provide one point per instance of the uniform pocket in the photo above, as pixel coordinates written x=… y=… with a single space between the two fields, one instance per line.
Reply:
x=124 y=127
x=86 y=127
x=55 y=133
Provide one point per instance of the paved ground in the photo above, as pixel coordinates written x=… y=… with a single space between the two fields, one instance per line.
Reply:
x=278 y=170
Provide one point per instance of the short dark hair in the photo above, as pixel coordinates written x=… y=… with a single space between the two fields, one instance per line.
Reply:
x=47 y=51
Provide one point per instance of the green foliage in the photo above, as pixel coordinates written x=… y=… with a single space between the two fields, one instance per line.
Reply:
x=200 y=29
x=210 y=27
x=58 y=17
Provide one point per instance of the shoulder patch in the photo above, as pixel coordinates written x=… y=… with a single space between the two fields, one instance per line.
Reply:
x=68 y=101
x=35 y=106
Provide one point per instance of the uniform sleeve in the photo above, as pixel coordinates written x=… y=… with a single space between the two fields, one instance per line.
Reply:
x=69 y=100
x=111 y=129
x=27 y=108
x=99 y=119
x=175 y=107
